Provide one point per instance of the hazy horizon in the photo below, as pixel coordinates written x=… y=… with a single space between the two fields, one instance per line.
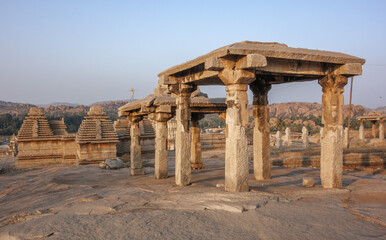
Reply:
x=90 y=51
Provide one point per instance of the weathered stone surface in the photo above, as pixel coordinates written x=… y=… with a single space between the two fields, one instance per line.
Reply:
x=308 y=182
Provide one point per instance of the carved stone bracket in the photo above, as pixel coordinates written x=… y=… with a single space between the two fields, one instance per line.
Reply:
x=160 y=117
x=132 y=118
x=231 y=75
x=260 y=90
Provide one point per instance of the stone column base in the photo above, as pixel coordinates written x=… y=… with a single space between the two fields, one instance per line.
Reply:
x=197 y=166
x=137 y=171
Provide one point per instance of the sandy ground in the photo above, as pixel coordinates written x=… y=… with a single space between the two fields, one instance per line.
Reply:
x=86 y=202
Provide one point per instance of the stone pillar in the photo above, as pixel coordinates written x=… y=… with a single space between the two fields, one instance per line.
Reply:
x=305 y=139
x=331 y=160
x=278 y=139
x=361 y=132
x=136 y=167
x=374 y=129
x=195 y=150
x=345 y=140
x=161 y=140
x=287 y=137
x=236 y=146
x=236 y=78
x=261 y=163
x=381 y=130
x=182 y=141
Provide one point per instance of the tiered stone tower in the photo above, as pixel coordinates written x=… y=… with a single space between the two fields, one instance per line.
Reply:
x=96 y=138
x=43 y=143
x=35 y=126
x=58 y=127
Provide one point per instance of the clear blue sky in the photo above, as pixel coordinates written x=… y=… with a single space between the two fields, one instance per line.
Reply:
x=88 y=51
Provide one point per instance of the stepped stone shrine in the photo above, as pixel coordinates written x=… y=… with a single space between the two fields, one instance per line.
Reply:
x=96 y=138
x=44 y=143
x=238 y=66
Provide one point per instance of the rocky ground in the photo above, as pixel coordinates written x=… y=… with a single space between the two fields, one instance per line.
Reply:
x=86 y=202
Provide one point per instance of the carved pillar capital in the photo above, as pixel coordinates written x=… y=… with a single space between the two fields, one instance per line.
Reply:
x=332 y=81
x=134 y=118
x=231 y=75
x=197 y=117
x=260 y=89
x=333 y=100
x=182 y=89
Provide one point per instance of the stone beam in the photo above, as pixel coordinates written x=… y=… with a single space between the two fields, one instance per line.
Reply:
x=331 y=160
x=293 y=67
x=161 y=138
x=195 y=77
x=182 y=141
x=349 y=69
x=136 y=167
x=262 y=169
x=251 y=61
x=213 y=64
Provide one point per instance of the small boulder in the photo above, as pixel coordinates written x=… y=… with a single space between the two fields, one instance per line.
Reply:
x=112 y=164
x=308 y=182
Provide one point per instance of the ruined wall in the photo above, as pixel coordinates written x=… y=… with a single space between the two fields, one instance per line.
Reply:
x=92 y=153
x=43 y=153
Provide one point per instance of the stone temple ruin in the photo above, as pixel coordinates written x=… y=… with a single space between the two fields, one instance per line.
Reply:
x=238 y=66
x=41 y=143
x=96 y=138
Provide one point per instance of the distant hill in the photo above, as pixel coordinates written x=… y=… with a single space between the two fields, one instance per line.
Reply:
x=277 y=110
x=304 y=109
x=59 y=104
x=14 y=108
